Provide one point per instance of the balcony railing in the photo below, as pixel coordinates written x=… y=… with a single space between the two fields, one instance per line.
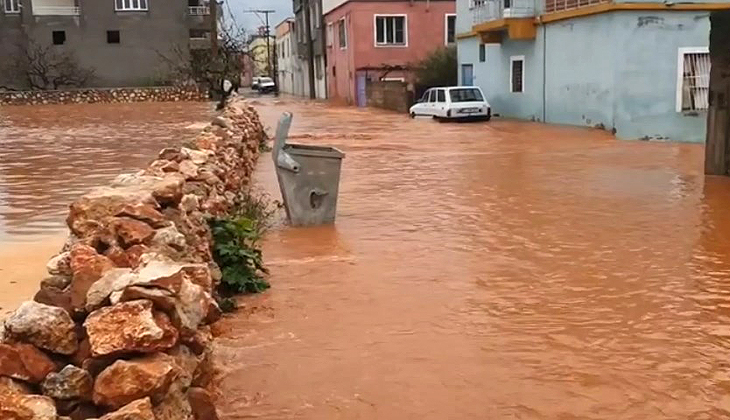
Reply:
x=56 y=11
x=487 y=10
x=559 y=5
x=199 y=10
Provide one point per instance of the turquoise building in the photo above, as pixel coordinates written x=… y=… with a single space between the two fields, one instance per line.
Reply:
x=639 y=69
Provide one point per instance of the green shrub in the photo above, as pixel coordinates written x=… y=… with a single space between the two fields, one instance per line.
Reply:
x=236 y=247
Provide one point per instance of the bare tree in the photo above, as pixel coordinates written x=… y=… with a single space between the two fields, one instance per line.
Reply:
x=42 y=68
x=212 y=71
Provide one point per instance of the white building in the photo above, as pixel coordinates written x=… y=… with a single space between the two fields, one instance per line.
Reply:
x=290 y=68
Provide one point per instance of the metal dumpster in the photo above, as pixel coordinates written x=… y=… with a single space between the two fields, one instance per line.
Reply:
x=309 y=178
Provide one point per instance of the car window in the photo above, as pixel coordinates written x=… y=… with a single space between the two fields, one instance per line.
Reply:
x=466 y=95
x=441 y=95
x=424 y=98
x=432 y=98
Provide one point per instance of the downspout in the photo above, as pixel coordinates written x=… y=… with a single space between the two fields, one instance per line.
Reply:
x=544 y=69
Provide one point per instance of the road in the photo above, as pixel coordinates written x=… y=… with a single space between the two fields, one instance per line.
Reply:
x=501 y=270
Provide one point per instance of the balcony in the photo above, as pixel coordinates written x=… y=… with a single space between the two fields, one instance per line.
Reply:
x=56 y=11
x=496 y=19
x=488 y=10
x=199 y=10
x=562 y=5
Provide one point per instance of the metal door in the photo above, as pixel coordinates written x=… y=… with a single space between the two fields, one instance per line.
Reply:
x=467 y=75
x=361 y=98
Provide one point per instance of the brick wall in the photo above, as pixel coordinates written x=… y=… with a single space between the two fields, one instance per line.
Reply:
x=392 y=95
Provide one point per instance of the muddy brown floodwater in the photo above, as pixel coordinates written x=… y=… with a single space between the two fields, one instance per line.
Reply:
x=504 y=270
x=50 y=155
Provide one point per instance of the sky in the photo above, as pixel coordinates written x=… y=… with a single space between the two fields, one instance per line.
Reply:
x=249 y=21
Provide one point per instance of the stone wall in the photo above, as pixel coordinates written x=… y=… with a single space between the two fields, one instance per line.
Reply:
x=119 y=329
x=104 y=95
x=392 y=95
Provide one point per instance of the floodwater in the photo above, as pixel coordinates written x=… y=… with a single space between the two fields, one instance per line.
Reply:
x=50 y=155
x=501 y=270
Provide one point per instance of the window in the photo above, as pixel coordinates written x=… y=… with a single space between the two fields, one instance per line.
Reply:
x=391 y=30
x=330 y=34
x=440 y=95
x=113 y=37
x=507 y=4
x=199 y=34
x=424 y=98
x=342 y=32
x=693 y=79
x=450 y=36
x=477 y=3
x=466 y=95
x=318 y=66
x=482 y=53
x=517 y=74
x=59 y=37
x=12 y=6
x=432 y=96
x=130 y=5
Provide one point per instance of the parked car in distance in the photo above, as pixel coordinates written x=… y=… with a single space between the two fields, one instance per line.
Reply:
x=266 y=85
x=457 y=102
x=255 y=83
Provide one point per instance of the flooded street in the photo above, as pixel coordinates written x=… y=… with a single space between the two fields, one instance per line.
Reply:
x=53 y=154
x=504 y=270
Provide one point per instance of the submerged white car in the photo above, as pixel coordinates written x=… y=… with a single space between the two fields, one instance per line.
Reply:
x=459 y=102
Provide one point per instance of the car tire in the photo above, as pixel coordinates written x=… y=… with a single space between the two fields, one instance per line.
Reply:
x=413 y=115
x=487 y=118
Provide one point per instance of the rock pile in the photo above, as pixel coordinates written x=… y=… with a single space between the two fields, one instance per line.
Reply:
x=105 y=95
x=120 y=328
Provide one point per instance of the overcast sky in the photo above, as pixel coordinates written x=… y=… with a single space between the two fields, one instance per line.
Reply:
x=249 y=21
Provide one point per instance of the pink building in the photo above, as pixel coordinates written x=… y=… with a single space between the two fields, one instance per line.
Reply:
x=380 y=40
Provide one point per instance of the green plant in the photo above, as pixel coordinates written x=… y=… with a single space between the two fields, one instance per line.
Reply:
x=439 y=68
x=236 y=247
x=236 y=250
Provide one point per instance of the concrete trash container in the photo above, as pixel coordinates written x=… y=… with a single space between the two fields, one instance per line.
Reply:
x=309 y=178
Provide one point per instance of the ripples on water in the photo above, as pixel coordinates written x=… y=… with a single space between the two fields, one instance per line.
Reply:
x=491 y=271
x=52 y=154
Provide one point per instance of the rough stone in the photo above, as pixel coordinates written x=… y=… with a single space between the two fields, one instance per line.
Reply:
x=60 y=265
x=53 y=296
x=134 y=254
x=113 y=280
x=129 y=327
x=26 y=407
x=169 y=236
x=190 y=202
x=146 y=213
x=132 y=232
x=136 y=410
x=11 y=386
x=169 y=190
x=84 y=411
x=70 y=383
x=45 y=326
x=187 y=363
x=57 y=281
x=188 y=169
x=199 y=341
x=126 y=381
x=88 y=267
x=174 y=405
x=201 y=403
x=24 y=362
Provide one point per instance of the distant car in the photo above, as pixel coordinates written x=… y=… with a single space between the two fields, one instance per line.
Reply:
x=255 y=83
x=266 y=85
x=458 y=102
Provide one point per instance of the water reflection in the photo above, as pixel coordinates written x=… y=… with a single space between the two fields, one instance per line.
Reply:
x=500 y=270
x=52 y=154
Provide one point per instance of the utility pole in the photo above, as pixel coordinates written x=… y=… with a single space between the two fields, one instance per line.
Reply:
x=214 y=28
x=310 y=48
x=267 y=33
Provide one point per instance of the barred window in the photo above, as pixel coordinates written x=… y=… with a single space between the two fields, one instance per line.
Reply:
x=12 y=6
x=695 y=81
x=127 y=5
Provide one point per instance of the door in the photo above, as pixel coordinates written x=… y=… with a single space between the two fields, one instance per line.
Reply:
x=440 y=107
x=467 y=75
x=362 y=100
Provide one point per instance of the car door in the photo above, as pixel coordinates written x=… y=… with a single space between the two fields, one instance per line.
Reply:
x=440 y=106
x=431 y=104
x=421 y=108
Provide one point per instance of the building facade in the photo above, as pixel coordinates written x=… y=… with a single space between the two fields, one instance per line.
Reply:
x=382 y=40
x=638 y=69
x=317 y=37
x=290 y=67
x=120 y=40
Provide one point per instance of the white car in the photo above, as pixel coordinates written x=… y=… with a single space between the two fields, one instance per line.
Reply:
x=255 y=83
x=458 y=102
x=266 y=85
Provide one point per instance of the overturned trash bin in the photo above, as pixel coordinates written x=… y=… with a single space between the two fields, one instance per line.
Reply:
x=309 y=178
